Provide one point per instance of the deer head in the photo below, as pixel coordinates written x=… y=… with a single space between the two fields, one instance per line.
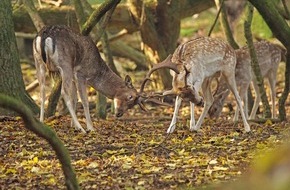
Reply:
x=126 y=97
x=153 y=97
x=179 y=83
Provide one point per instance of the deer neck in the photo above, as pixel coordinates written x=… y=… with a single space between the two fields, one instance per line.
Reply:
x=106 y=81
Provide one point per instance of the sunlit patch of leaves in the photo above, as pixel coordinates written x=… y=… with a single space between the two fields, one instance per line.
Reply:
x=135 y=153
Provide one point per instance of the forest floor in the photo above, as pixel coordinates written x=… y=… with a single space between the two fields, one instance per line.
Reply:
x=134 y=152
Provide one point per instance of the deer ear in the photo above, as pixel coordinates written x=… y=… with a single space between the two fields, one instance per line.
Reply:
x=128 y=81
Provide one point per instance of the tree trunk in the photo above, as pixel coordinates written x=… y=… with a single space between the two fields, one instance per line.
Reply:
x=281 y=30
x=160 y=32
x=254 y=61
x=225 y=24
x=54 y=98
x=11 y=81
x=36 y=19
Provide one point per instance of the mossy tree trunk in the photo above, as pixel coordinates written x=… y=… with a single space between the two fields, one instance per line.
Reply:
x=254 y=61
x=225 y=24
x=11 y=80
x=281 y=30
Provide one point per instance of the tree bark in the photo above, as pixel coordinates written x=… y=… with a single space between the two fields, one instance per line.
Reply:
x=225 y=25
x=281 y=30
x=11 y=81
x=254 y=61
x=43 y=131
x=159 y=33
x=31 y=10
x=54 y=97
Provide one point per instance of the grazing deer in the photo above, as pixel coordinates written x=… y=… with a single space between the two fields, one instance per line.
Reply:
x=194 y=64
x=78 y=61
x=269 y=56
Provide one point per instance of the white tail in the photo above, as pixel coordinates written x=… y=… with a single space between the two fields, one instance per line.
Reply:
x=77 y=60
x=198 y=62
x=269 y=56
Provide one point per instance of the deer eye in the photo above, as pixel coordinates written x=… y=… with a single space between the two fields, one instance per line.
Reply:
x=130 y=97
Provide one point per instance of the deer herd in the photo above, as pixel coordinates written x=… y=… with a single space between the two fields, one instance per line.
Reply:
x=193 y=66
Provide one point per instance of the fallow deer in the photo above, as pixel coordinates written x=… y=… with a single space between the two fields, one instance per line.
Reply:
x=78 y=61
x=269 y=56
x=193 y=66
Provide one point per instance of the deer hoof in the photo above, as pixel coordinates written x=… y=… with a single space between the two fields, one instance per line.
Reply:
x=171 y=129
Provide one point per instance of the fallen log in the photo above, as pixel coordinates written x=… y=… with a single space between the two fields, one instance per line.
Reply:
x=120 y=19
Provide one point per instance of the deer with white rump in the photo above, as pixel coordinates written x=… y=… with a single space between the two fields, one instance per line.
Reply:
x=78 y=61
x=269 y=56
x=193 y=66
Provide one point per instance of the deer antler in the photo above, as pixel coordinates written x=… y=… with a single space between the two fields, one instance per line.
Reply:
x=143 y=98
x=167 y=63
x=153 y=98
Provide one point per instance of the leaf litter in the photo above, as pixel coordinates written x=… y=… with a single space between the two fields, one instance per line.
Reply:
x=135 y=152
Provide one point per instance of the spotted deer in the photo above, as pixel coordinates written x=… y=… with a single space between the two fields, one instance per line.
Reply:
x=193 y=66
x=77 y=59
x=269 y=56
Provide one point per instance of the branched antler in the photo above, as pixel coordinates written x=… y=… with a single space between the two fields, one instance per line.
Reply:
x=154 y=97
x=167 y=63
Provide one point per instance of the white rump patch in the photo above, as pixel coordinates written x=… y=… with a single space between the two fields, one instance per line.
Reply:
x=49 y=49
x=37 y=44
x=49 y=46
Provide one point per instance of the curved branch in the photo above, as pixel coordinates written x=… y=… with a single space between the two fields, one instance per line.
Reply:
x=97 y=15
x=45 y=132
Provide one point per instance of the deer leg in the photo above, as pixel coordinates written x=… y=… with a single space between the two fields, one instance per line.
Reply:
x=66 y=92
x=208 y=100
x=232 y=85
x=81 y=85
x=175 y=114
x=272 y=83
x=246 y=110
x=74 y=99
x=256 y=102
x=236 y=116
x=244 y=97
x=40 y=71
x=192 y=120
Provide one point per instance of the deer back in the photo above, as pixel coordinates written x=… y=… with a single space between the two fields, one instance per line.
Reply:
x=64 y=48
x=202 y=57
x=268 y=55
